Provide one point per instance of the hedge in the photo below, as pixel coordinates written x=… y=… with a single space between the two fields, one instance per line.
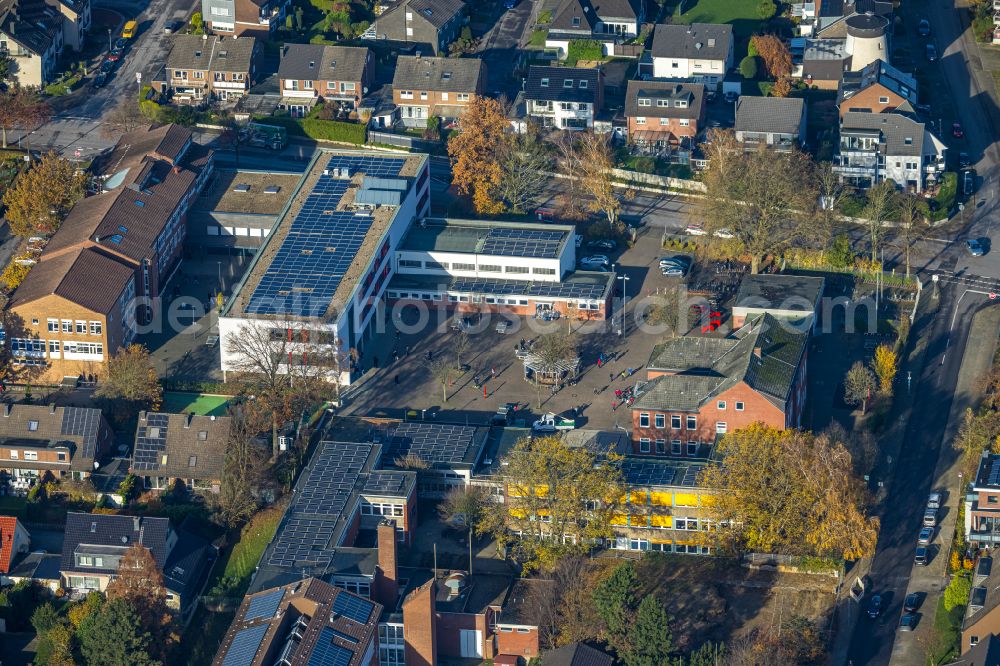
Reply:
x=945 y=199
x=322 y=130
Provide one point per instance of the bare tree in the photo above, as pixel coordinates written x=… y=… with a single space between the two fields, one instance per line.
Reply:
x=460 y=344
x=124 y=118
x=878 y=211
x=912 y=225
x=285 y=368
x=20 y=108
x=596 y=162
x=242 y=473
x=525 y=162
x=443 y=372
x=831 y=193
x=568 y=162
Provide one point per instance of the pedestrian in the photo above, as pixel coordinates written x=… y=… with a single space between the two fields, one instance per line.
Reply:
x=397 y=379
x=614 y=405
x=407 y=350
x=484 y=390
x=599 y=362
x=493 y=372
x=611 y=376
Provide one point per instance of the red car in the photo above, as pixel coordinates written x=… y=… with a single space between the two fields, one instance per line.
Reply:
x=114 y=57
x=956 y=130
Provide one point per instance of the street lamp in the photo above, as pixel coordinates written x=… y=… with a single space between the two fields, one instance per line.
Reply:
x=624 y=279
x=110 y=45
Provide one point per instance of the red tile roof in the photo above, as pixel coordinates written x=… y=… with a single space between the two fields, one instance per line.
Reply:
x=8 y=525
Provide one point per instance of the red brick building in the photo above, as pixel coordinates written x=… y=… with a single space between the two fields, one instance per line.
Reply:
x=664 y=116
x=982 y=504
x=700 y=387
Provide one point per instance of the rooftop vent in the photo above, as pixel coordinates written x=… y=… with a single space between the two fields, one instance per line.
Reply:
x=272 y=189
x=333 y=64
x=242 y=187
x=698 y=45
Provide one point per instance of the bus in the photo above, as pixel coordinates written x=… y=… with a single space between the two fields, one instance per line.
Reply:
x=128 y=32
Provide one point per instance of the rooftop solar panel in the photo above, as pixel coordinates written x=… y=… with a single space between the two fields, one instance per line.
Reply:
x=387 y=483
x=83 y=422
x=432 y=442
x=512 y=242
x=245 y=645
x=150 y=442
x=326 y=653
x=577 y=290
x=264 y=606
x=994 y=477
x=352 y=607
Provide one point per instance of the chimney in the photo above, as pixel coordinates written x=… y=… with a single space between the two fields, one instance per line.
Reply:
x=52 y=408
x=135 y=523
x=420 y=626
x=757 y=351
x=187 y=419
x=6 y=409
x=142 y=416
x=386 y=577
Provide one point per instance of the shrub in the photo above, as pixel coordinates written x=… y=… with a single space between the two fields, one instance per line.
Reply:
x=585 y=49
x=14 y=275
x=945 y=199
x=645 y=164
x=748 y=67
x=957 y=592
x=322 y=130
x=840 y=254
x=765 y=10
x=545 y=17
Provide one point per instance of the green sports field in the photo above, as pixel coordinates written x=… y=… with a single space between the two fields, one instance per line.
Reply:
x=201 y=404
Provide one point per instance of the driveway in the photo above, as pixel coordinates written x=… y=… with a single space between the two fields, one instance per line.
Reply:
x=49 y=540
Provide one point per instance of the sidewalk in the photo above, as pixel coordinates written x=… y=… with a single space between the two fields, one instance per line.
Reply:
x=932 y=579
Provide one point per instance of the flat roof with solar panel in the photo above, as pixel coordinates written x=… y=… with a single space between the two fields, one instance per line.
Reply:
x=437 y=444
x=660 y=472
x=304 y=622
x=504 y=239
x=988 y=474
x=580 y=285
x=327 y=237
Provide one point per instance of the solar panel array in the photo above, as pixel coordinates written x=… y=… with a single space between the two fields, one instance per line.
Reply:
x=245 y=645
x=432 y=442
x=509 y=242
x=327 y=653
x=653 y=473
x=994 y=478
x=150 y=442
x=320 y=499
x=264 y=606
x=353 y=607
x=581 y=290
x=82 y=422
x=386 y=483
x=320 y=245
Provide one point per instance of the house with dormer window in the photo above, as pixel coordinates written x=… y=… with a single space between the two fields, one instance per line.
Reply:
x=664 y=117
x=187 y=448
x=563 y=98
x=610 y=22
x=427 y=27
x=338 y=75
x=442 y=87
x=94 y=545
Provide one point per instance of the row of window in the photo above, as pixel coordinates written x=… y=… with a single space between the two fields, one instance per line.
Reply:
x=33 y=455
x=643 y=544
x=307 y=84
x=664 y=103
x=565 y=106
x=182 y=75
x=675 y=419
x=567 y=83
x=461 y=97
x=67 y=326
x=676 y=446
x=32 y=347
x=381 y=509
x=683 y=122
x=483 y=268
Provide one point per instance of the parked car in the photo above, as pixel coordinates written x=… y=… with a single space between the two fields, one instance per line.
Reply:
x=695 y=230
x=975 y=248
x=100 y=80
x=907 y=622
x=603 y=244
x=505 y=413
x=723 y=233
x=934 y=501
x=957 y=131
x=121 y=43
x=114 y=56
x=732 y=96
x=673 y=270
x=912 y=602
x=594 y=263
x=875 y=606
x=108 y=66
x=920 y=557
x=969 y=182
x=924 y=28
x=930 y=518
x=173 y=26
x=930 y=51
x=710 y=96
x=926 y=535
x=964 y=161
x=601 y=259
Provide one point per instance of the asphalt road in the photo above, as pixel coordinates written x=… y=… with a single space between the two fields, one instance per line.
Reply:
x=500 y=48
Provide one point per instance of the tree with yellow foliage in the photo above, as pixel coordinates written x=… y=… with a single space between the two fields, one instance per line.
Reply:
x=476 y=152
x=792 y=492
x=884 y=366
x=553 y=493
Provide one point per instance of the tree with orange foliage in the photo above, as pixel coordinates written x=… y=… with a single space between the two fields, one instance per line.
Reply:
x=775 y=54
x=782 y=88
x=476 y=151
x=139 y=583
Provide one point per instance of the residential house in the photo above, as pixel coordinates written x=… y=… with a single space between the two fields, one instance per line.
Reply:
x=576 y=654
x=700 y=52
x=610 y=22
x=444 y=87
x=304 y=622
x=36 y=440
x=201 y=68
x=822 y=60
x=337 y=75
x=15 y=542
x=94 y=544
x=982 y=614
x=33 y=47
x=422 y=26
x=777 y=122
x=982 y=504
x=875 y=147
x=698 y=387
x=793 y=298
x=187 y=448
x=878 y=88
x=564 y=98
x=986 y=652
x=39 y=568
x=74 y=19
x=112 y=251
x=829 y=19
x=251 y=18
x=664 y=117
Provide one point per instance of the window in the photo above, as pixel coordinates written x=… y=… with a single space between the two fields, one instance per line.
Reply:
x=61 y=456
x=220 y=11
x=640 y=121
x=567 y=83
x=516 y=269
x=645 y=101
x=490 y=268
x=675 y=421
x=661 y=446
x=409 y=31
x=81 y=327
x=463 y=97
x=643 y=420
x=908 y=141
x=576 y=21
x=178 y=74
x=199 y=75
x=675 y=447
x=53 y=325
x=973 y=640
x=544 y=83
x=583 y=84
x=53 y=346
x=662 y=103
x=543 y=271
x=992 y=499
x=567 y=106
x=91 y=561
x=406 y=94
x=67 y=326
x=307 y=84
x=681 y=104
x=644 y=445
x=739 y=406
x=692 y=448
x=523 y=630
x=31 y=455
x=410 y=263
x=32 y=426
x=444 y=97
x=463 y=267
x=692 y=422
x=684 y=122
x=423 y=95
x=664 y=121
x=720 y=405
x=883 y=100
x=14 y=455
x=192 y=461
x=660 y=421
x=721 y=427
x=95 y=328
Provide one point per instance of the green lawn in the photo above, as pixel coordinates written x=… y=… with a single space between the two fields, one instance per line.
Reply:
x=202 y=404
x=234 y=569
x=742 y=14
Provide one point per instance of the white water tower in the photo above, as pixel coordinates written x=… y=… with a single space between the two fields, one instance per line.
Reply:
x=867 y=40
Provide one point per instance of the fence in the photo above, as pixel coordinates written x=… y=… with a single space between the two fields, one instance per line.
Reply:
x=794 y=563
x=658 y=181
x=401 y=140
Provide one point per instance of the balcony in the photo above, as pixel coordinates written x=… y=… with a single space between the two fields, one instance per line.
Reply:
x=869 y=171
x=229 y=85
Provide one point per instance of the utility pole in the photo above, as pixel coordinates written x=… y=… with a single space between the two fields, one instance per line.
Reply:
x=624 y=278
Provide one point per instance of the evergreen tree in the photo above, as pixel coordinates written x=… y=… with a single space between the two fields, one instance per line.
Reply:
x=112 y=637
x=652 y=641
x=614 y=600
